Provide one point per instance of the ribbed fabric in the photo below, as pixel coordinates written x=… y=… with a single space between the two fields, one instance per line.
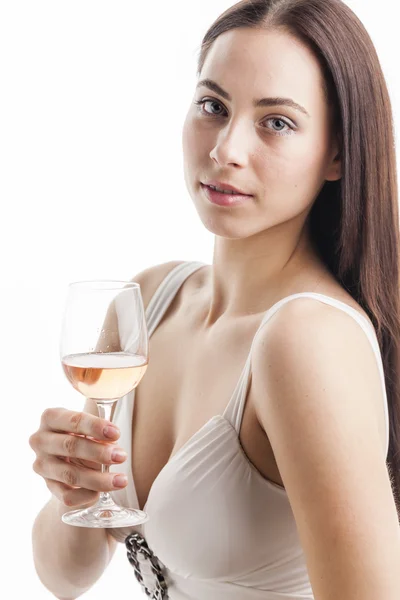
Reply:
x=219 y=529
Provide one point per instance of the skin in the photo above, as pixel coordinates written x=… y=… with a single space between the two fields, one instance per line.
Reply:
x=233 y=142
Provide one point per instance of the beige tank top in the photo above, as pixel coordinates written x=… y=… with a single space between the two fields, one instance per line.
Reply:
x=218 y=529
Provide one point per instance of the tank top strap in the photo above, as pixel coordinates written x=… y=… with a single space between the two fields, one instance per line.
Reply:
x=167 y=291
x=235 y=408
x=157 y=305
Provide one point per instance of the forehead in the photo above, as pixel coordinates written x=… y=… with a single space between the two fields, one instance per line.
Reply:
x=265 y=63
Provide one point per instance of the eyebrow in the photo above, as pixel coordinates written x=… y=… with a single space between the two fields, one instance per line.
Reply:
x=275 y=101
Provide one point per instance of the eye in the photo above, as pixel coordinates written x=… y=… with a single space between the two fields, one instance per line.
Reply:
x=201 y=104
x=290 y=127
x=282 y=122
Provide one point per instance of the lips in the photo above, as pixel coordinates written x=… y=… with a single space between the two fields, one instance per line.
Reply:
x=222 y=199
x=226 y=186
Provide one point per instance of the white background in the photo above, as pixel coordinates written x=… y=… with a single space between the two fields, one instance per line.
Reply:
x=92 y=103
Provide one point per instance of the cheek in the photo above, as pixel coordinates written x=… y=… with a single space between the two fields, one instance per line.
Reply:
x=310 y=154
x=308 y=169
x=290 y=173
x=190 y=148
x=191 y=151
x=185 y=131
x=298 y=162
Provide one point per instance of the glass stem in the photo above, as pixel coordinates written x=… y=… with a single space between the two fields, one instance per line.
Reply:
x=105 y=409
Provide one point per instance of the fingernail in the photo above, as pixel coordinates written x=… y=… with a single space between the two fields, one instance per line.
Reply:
x=118 y=455
x=111 y=432
x=120 y=480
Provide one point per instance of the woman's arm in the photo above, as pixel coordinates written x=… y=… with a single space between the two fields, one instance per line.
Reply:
x=68 y=559
x=319 y=398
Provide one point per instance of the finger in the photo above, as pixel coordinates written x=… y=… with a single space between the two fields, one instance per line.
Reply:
x=81 y=463
x=69 y=421
x=73 y=446
x=72 y=475
x=70 y=496
x=38 y=441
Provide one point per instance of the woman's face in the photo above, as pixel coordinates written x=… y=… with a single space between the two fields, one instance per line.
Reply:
x=276 y=152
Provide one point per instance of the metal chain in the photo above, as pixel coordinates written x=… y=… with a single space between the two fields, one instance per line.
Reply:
x=136 y=543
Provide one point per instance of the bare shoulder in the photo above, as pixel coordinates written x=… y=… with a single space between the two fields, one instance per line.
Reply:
x=316 y=344
x=317 y=390
x=149 y=279
x=308 y=310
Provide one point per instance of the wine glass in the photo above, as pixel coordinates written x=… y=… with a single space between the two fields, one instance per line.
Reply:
x=104 y=355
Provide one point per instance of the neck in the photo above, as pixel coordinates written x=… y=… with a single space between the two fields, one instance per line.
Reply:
x=249 y=275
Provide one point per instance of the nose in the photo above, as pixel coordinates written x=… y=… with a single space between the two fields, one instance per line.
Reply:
x=232 y=146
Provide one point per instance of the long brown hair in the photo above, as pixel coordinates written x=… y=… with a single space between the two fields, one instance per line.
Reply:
x=354 y=222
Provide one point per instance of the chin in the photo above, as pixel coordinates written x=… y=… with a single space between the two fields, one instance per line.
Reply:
x=223 y=224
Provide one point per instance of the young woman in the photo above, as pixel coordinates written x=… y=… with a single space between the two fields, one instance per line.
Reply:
x=264 y=442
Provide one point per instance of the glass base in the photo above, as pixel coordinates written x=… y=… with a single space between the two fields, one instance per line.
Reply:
x=105 y=514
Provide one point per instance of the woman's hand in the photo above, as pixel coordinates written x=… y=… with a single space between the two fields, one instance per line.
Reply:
x=70 y=448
